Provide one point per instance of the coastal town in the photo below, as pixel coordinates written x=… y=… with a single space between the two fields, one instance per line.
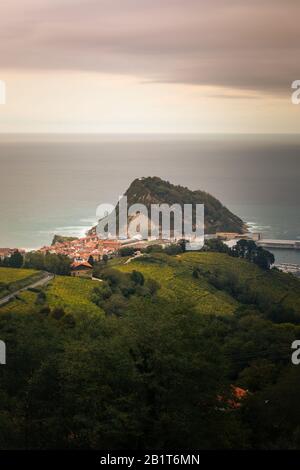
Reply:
x=92 y=246
x=82 y=249
x=92 y=249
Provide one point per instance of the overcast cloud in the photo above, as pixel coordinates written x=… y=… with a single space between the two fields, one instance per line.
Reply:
x=234 y=43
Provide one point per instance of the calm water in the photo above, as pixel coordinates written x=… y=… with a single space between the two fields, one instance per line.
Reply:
x=53 y=185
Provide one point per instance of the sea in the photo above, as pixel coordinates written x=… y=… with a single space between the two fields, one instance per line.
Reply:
x=53 y=184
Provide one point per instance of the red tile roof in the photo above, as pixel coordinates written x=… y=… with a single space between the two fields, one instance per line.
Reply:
x=81 y=263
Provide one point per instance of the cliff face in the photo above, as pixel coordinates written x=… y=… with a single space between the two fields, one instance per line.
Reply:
x=154 y=190
x=62 y=239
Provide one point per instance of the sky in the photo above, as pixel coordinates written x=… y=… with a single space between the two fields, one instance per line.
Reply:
x=149 y=66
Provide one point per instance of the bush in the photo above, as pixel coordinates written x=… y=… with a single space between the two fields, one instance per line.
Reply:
x=152 y=286
x=115 y=305
x=127 y=251
x=217 y=246
x=173 y=250
x=16 y=260
x=247 y=249
x=137 y=278
x=153 y=249
x=41 y=298
x=58 y=313
x=45 y=310
x=69 y=321
x=56 y=264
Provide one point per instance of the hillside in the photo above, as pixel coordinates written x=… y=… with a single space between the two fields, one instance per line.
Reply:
x=62 y=239
x=221 y=285
x=9 y=275
x=178 y=285
x=12 y=279
x=154 y=190
x=73 y=295
x=159 y=340
x=215 y=283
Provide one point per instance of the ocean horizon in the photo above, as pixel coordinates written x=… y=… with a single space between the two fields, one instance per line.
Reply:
x=52 y=184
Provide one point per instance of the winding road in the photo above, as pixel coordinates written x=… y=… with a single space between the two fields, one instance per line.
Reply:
x=41 y=282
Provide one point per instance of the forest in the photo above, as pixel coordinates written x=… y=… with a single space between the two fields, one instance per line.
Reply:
x=185 y=351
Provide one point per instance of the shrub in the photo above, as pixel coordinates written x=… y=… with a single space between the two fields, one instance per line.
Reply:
x=137 y=278
x=58 y=313
x=127 y=251
x=45 y=310
x=41 y=298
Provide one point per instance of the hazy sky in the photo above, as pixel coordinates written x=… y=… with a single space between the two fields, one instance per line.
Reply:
x=149 y=65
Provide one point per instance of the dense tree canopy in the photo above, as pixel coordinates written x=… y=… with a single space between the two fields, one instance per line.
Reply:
x=149 y=371
x=57 y=264
x=16 y=260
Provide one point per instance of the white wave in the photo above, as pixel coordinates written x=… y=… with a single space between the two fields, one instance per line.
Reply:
x=254 y=226
x=89 y=220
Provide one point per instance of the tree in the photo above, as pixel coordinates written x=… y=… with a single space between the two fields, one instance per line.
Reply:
x=35 y=260
x=216 y=245
x=258 y=375
x=105 y=258
x=91 y=260
x=57 y=264
x=127 y=251
x=274 y=413
x=263 y=258
x=45 y=310
x=41 y=298
x=173 y=249
x=115 y=305
x=182 y=243
x=248 y=250
x=137 y=278
x=240 y=249
x=16 y=260
x=152 y=285
x=58 y=313
x=155 y=248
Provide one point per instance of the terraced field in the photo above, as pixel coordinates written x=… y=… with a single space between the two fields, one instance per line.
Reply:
x=177 y=284
x=71 y=294
x=25 y=303
x=12 y=279
x=175 y=276
x=8 y=275
x=275 y=286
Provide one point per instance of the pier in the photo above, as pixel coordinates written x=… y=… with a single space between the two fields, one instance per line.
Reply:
x=279 y=244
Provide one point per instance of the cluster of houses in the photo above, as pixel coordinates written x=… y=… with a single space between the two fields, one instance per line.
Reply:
x=87 y=250
x=83 y=251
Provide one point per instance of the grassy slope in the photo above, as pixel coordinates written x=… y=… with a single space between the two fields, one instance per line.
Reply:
x=25 y=303
x=177 y=284
x=13 y=279
x=277 y=287
x=9 y=275
x=73 y=295
x=175 y=276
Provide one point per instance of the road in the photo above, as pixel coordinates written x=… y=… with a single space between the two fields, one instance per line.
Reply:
x=40 y=282
x=133 y=257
